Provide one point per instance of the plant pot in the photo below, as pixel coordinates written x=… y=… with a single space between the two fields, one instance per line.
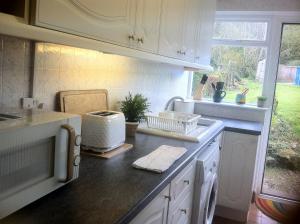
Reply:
x=240 y=98
x=131 y=128
x=261 y=103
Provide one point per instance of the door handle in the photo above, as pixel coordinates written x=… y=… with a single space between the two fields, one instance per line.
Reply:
x=70 y=155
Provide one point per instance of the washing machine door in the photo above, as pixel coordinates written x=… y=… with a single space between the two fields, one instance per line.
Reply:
x=211 y=200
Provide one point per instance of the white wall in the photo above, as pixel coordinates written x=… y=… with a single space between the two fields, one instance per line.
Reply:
x=60 y=68
x=258 y=5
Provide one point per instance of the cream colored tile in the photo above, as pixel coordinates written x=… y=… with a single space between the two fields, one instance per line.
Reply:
x=13 y=87
x=39 y=56
x=67 y=58
x=77 y=68
x=13 y=52
x=51 y=56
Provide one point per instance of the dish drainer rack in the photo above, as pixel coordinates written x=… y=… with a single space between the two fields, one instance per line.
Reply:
x=173 y=121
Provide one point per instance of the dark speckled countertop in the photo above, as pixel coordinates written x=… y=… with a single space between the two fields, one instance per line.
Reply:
x=240 y=126
x=107 y=191
x=112 y=191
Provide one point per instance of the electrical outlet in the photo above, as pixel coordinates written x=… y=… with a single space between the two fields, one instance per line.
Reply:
x=27 y=103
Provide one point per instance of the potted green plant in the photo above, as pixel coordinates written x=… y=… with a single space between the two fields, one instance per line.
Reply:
x=134 y=109
x=261 y=101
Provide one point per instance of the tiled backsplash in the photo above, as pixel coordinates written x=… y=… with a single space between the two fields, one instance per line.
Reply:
x=60 y=68
x=15 y=70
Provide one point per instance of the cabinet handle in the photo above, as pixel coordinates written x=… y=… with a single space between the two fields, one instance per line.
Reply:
x=186 y=181
x=214 y=164
x=168 y=197
x=131 y=37
x=181 y=52
x=183 y=210
x=140 y=40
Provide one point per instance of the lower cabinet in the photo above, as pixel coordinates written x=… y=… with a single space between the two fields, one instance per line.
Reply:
x=156 y=212
x=182 y=212
x=174 y=203
x=236 y=174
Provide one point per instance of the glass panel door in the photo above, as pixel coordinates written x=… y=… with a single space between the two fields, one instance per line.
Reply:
x=282 y=168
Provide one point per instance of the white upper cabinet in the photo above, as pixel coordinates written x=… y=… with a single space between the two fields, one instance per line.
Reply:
x=111 y=21
x=146 y=32
x=207 y=11
x=130 y=23
x=165 y=27
x=178 y=29
x=171 y=29
x=191 y=21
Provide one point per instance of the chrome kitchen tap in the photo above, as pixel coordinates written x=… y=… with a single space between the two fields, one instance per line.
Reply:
x=171 y=101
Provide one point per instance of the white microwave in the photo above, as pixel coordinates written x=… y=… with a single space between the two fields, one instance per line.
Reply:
x=38 y=154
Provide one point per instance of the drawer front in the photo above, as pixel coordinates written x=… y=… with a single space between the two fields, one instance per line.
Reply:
x=183 y=182
x=156 y=211
x=182 y=212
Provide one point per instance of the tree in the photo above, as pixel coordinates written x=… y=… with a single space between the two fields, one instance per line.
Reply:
x=290 y=46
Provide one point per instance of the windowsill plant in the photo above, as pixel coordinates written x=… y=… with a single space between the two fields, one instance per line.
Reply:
x=261 y=101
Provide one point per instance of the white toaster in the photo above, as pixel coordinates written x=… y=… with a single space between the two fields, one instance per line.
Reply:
x=103 y=130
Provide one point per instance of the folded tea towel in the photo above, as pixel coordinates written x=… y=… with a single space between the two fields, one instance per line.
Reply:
x=160 y=159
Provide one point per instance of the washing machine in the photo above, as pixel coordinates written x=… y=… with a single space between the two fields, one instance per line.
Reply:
x=206 y=184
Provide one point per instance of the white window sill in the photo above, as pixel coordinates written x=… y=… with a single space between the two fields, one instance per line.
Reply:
x=231 y=105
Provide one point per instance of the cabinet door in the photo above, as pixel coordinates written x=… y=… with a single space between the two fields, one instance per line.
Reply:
x=207 y=11
x=238 y=157
x=191 y=20
x=156 y=212
x=183 y=182
x=182 y=212
x=111 y=21
x=171 y=29
x=147 y=25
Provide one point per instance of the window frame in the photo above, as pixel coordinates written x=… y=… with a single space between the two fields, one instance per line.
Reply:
x=272 y=43
x=226 y=16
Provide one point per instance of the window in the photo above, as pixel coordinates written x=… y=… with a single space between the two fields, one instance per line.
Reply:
x=238 y=58
x=252 y=31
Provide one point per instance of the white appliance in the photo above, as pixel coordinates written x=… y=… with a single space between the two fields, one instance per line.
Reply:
x=103 y=130
x=38 y=154
x=206 y=185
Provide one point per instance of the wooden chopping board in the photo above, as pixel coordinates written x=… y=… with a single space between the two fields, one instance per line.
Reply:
x=83 y=101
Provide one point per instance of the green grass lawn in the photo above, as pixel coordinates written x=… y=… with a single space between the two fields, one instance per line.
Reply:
x=255 y=89
x=288 y=97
